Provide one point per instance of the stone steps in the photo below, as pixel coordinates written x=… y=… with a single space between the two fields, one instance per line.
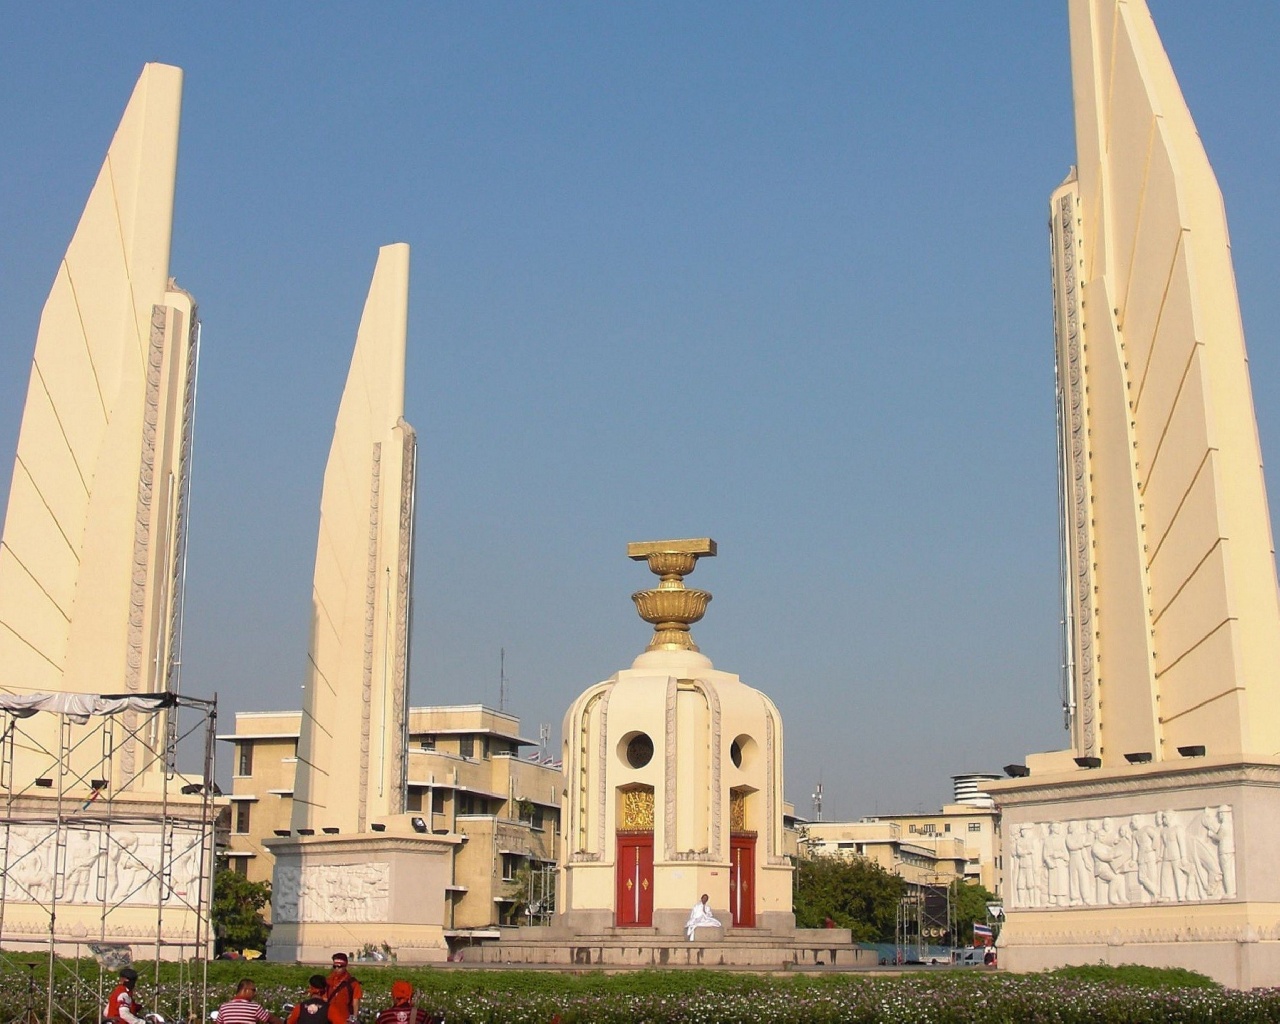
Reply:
x=644 y=947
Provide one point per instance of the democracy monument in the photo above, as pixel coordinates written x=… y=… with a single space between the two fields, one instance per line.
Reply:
x=1149 y=840
x=1152 y=839
x=101 y=839
x=355 y=869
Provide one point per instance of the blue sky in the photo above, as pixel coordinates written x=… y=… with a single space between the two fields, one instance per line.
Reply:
x=774 y=273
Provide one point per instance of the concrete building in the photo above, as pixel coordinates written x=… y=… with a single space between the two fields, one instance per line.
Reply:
x=919 y=859
x=466 y=778
x=959 y=841
x=1152 y=838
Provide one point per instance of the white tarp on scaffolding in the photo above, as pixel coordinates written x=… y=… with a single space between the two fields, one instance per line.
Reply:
x=80 y=706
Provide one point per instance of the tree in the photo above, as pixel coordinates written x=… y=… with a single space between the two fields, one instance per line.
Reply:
x=236 y=911
x=856 y=893
x=968 y=904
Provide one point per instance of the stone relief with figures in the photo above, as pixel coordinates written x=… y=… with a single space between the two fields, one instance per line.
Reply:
x=1173 y=856
x=116 y=866
x=331 y=892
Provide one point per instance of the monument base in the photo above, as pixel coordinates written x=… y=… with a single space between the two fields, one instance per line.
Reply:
x=371 y=894
x=1167 y=864
x=647 y=947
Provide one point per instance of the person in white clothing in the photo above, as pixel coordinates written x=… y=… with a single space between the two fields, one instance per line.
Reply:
x=700 y=917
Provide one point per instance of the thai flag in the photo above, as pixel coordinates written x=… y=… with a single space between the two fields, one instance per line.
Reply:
x=982 y=935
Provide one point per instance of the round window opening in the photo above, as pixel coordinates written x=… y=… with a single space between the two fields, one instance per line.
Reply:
x=742 y=751
x=639 y=750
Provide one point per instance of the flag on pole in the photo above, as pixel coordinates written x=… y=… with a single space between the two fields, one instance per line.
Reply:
x=982 y=935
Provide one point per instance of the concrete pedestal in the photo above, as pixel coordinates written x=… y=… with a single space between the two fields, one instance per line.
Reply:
x=1165 y=864
x=370 y=890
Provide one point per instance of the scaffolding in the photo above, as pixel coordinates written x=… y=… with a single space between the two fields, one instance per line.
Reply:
x=925 y=928
x=107 y=850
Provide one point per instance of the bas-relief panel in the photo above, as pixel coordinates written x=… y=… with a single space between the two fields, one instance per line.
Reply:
x=331 y=892
x=1173 y=856
x=118 y=866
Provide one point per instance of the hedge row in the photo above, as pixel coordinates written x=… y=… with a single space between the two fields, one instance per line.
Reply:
x=464 y=996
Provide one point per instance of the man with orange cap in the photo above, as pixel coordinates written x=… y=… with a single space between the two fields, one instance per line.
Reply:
x=402 y=1010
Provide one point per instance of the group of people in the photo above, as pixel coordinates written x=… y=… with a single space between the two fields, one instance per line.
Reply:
x=331 y=999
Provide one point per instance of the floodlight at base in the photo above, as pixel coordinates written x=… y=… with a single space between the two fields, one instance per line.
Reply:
x=1140 y=757
x=1089 y=762
x=418 y=825
x=1195 y=750
x=1017 y=771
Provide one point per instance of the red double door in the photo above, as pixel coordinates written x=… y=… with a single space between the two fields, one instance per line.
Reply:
x=742 y=874
x=635 y=881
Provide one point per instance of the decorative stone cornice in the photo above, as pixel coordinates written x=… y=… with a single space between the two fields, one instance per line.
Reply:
x=1163 y=777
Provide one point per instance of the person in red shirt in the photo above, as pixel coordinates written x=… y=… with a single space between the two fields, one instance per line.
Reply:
x=122 y=1006
x=343 y=991
x=402 y=1010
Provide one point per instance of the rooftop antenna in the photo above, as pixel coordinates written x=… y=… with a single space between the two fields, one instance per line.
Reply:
x=502 y=679
x=817 y=802
x=544 y=737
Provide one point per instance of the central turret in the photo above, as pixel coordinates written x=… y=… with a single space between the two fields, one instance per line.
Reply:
x=673 y=779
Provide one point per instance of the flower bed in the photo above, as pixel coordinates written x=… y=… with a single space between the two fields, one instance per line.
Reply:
x=1086 y=996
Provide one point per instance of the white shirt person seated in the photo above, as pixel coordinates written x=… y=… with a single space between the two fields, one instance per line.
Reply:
x=700 y=917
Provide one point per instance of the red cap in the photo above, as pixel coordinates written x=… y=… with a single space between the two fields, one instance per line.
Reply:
x=401 y=991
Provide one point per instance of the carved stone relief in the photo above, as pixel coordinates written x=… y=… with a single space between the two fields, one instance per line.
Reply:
x=1173 y=856
x=669 y=768
x=331 y=892
x=370 y=615
x=1079 y=542
x=99 y=865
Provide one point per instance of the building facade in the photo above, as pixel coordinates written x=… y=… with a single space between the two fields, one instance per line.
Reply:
x=960 y=841
x=466 y=779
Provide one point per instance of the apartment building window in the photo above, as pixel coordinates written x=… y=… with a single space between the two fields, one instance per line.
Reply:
x=240 y=865
x=469 y=804
x=437 y=801
x=535 y=820
x=484 y=747
x=428 y=743
x=946 y=828
x=466 y=746
x=510 y=865
x=911 y=828
x=245 y=764
x=242 y=818
x=975 y=826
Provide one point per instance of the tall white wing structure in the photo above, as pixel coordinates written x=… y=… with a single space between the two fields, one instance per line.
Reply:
x=352 y=748
x=90 y=559
x=1174 y=623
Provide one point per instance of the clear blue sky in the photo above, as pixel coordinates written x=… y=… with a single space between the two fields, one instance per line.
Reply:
x=776 y=273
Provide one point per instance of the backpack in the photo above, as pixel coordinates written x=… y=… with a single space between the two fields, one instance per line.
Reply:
x=313 y=1010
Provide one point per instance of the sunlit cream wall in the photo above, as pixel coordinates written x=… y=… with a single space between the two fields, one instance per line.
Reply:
x=90 y=559
x=352 y=750
x=1173 y=583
